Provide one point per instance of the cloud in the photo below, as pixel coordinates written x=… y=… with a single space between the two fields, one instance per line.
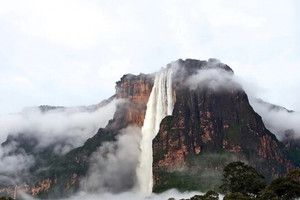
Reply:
x=69 y=127
x=213 y=77
x=59 y=46
x=277 y=119
x=112 y=172
x=74 y=23
x=14 y=164
x=127 y=196
x=35 y=129
x=113 y=164
x=222 y=16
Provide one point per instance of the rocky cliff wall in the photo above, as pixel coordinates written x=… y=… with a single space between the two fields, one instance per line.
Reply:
x=212 y=122
x=206 y=130
x=136 y=91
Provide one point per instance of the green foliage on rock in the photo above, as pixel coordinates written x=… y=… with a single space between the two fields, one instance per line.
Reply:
x=294 y=155
x=294 y=174
x=209 y=195
x=236 y=196
x=243 y=179
x=284 y=188
x=243 y=182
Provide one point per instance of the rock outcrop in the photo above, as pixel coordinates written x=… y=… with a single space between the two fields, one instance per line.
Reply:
x=208 y=121
x=208 y=128
x=136 y=91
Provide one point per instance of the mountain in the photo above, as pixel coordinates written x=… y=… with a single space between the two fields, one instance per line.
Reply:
x=208 y=129
x=209 y=123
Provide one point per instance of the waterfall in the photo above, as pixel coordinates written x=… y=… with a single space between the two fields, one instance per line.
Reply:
x=160 y=104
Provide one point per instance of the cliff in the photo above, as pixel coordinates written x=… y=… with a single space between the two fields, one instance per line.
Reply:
x=54 y=176
x=208 y=129
x=211 y=125
x=136 y=91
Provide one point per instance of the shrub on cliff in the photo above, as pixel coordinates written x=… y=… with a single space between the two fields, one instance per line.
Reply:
x=241 y=178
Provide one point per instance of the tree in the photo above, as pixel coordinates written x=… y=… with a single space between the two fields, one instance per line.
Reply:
x=269 y=194
x=236 y=196
x=6 y=198
x=294 y=174
x=284 y=188
x=209 y=195
x=243 y=179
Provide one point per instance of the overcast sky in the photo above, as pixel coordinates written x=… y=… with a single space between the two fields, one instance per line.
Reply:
x=72 y=52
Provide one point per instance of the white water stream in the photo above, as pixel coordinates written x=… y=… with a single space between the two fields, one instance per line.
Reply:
x=160 y=104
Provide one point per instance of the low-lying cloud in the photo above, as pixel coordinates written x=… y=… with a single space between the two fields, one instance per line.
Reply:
x=60 y=130
x=277 y=119
x=12 y=164
x=113 y=165
x=216 y=79
x=112 y=173
x=70 y=125
x=130 y=195
x=280 y=121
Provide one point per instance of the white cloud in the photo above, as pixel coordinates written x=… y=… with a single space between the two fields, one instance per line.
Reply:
x=278 y=120
x=129 y=196
x=73 y=23
x=225 y=15
x=215 y=79
x=114 y=163
x=73 y=126
x=13 y=164
x=74 y=51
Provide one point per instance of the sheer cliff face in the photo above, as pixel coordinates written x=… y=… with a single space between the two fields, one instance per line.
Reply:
x=207 y=129
x=136 y=90
x=205 y=121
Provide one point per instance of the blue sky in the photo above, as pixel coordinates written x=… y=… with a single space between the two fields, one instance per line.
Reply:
x=72 y=52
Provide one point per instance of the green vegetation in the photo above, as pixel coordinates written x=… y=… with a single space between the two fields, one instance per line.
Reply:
x=54 y=166
x=243 y=182
x=209 y=195
x=243 y=179
x=294 y=155
x=204 y=172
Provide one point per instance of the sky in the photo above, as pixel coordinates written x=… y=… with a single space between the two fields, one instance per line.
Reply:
x=71 y=52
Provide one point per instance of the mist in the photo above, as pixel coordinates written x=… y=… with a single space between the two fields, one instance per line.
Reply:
x=279 y=120
x=72 y=126
x=173 y=193
x=33 y=130
x=213 y=77
x=113 y=165
x=130 y=195
x=112 y=174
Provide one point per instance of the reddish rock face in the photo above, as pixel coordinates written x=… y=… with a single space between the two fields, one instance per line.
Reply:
x=204 y=122
x=42 y=186
x=135 y=89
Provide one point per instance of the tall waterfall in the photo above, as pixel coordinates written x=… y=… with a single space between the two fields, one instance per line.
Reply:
x=160 y=104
